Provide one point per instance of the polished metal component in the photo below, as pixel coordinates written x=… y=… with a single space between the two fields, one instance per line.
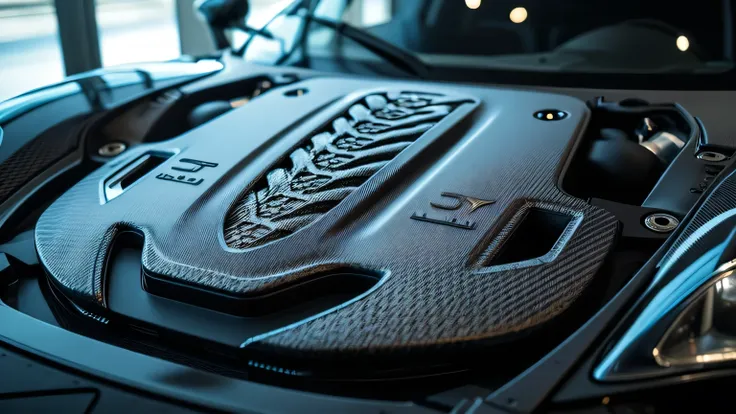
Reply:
x=711 y=156
x=626 y=359
x=664 y=145
x=112 y=149
x=704 y=333
x=649 y=124
x=646 y=130
x=661 y=222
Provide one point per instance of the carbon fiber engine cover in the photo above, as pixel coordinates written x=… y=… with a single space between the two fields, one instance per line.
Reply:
x=415 y=186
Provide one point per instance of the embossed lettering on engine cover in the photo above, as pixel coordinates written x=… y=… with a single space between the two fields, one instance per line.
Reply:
x=330 y=165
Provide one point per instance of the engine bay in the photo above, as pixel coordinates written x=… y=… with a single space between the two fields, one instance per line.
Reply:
x=367 y=232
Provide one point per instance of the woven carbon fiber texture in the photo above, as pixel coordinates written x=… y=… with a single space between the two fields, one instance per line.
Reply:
x=434 y=289
x=33 y=158
x=330 y=165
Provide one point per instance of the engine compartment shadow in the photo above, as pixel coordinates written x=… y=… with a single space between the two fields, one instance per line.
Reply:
x=128 y=298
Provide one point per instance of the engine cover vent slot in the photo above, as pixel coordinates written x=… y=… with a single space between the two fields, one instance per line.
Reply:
x=535 y=235
x=331 y=164
x=125 y=178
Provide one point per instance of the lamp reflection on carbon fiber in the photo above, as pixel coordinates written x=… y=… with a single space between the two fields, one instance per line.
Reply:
x=705 y=332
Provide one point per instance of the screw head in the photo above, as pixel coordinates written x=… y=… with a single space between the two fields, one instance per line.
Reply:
x=112 y=149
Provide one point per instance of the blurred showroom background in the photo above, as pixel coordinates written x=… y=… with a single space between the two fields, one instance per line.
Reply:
x=129 y=31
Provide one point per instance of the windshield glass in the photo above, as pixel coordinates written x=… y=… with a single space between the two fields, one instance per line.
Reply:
x=542 y=36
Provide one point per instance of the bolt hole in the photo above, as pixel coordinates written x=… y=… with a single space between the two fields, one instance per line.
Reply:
x=295 y=93
x=285 y=78
x=112 y=149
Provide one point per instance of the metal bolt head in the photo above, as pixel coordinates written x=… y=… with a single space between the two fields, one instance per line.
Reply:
x=661 y=222
x=711 y=156
x=112 y=149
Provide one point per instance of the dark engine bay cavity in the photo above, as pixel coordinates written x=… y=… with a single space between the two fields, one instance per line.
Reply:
x=631 y=145
x=366 y=230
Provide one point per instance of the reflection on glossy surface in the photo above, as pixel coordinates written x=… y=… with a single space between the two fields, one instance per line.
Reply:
x=640 y=351
x=13 y=107
x=106 y=79
x=705 y=332
x=683 y=43
x=284 y=29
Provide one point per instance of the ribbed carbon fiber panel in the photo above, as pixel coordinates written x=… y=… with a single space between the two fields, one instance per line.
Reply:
x=721 y=200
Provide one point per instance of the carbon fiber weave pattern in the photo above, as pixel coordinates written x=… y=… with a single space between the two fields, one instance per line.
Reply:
x=513 y=298
x=332 y=164
x=33 y=158
x=721 y=200
x=434 y=289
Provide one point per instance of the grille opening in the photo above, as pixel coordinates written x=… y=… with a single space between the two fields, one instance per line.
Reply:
x=534 y=237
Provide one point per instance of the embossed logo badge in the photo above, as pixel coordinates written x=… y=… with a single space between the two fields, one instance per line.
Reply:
x=458 y=201
x=475 y=203
x=189 y=166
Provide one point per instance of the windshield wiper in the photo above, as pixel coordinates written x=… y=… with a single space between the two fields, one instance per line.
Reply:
x=393 y=54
